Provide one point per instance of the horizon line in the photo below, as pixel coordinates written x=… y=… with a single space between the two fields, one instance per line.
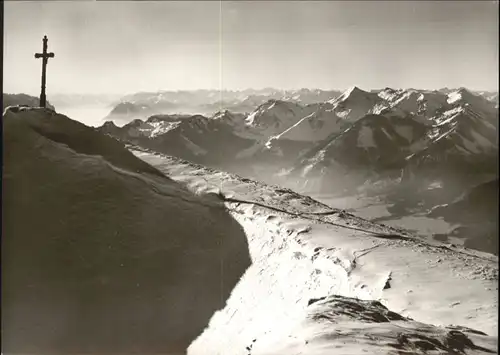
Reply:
x=57 y=93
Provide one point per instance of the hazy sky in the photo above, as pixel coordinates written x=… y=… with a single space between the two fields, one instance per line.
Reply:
x=122 y=47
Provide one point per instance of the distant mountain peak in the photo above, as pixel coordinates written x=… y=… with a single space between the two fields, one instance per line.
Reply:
x=109 y=124
x=353 y=90
x=278 y=102
x=223 y=112
x=353 y=93
x=460 y=94
x=272 y=103
x=389 y=89
x=224 y=115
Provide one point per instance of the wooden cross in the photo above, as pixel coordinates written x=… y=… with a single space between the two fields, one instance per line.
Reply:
x=45 y=58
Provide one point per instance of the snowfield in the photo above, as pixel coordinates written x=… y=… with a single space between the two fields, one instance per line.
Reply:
x=303 y=250
x=160 y=255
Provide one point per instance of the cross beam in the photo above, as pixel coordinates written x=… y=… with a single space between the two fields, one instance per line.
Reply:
x=45 y=58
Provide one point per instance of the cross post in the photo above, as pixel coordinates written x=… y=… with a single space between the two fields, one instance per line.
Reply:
x=45 y=58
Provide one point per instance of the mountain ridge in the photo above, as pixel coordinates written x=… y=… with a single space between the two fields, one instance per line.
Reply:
x=284 y=133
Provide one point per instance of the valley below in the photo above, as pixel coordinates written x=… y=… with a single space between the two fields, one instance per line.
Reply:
x=377 y=210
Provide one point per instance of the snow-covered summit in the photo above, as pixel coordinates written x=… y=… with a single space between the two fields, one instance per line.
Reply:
x=99 y=250
x=323 y=120
x=387 y=93
x=167 y=118
x=354 y=103
x=354 y=93
x=461 y=94
x=474 y=102
x=461 y=141
x=314 y=127
x=273 y=117
x=337 y=115
x=310 y=96
x=278 y=109
x=373 y=143
x=234 y=119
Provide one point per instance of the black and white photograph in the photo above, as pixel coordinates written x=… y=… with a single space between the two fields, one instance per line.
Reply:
x=250 y=177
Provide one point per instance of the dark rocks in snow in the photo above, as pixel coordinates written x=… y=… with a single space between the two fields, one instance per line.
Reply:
x=336 y=308
x=314 y=300
x=347 y=324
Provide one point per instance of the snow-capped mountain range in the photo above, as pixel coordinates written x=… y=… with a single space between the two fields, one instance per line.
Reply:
x=398 y=143
x=375 y=130
x=208 y=102
x=408 y=128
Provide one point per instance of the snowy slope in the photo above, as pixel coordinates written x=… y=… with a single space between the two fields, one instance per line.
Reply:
x=338 y=114
x=461 y=139
x=460 y=142
x=493 y=97
x=223 y=140
x=418 y=131
x=230 y=118
x=480 y=105
x=213 y=141
x=373 y=145
x=336 y=325
x=271 y=117
x=101 y=253
x=303 y=250
x=355 y=103
x=268 y=120
x=419 y=103
x=314 y=127
x=274 y=117
x=310 y=96
x=375 y=141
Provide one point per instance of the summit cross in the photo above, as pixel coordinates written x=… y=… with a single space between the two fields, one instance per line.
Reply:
x=45 y=58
